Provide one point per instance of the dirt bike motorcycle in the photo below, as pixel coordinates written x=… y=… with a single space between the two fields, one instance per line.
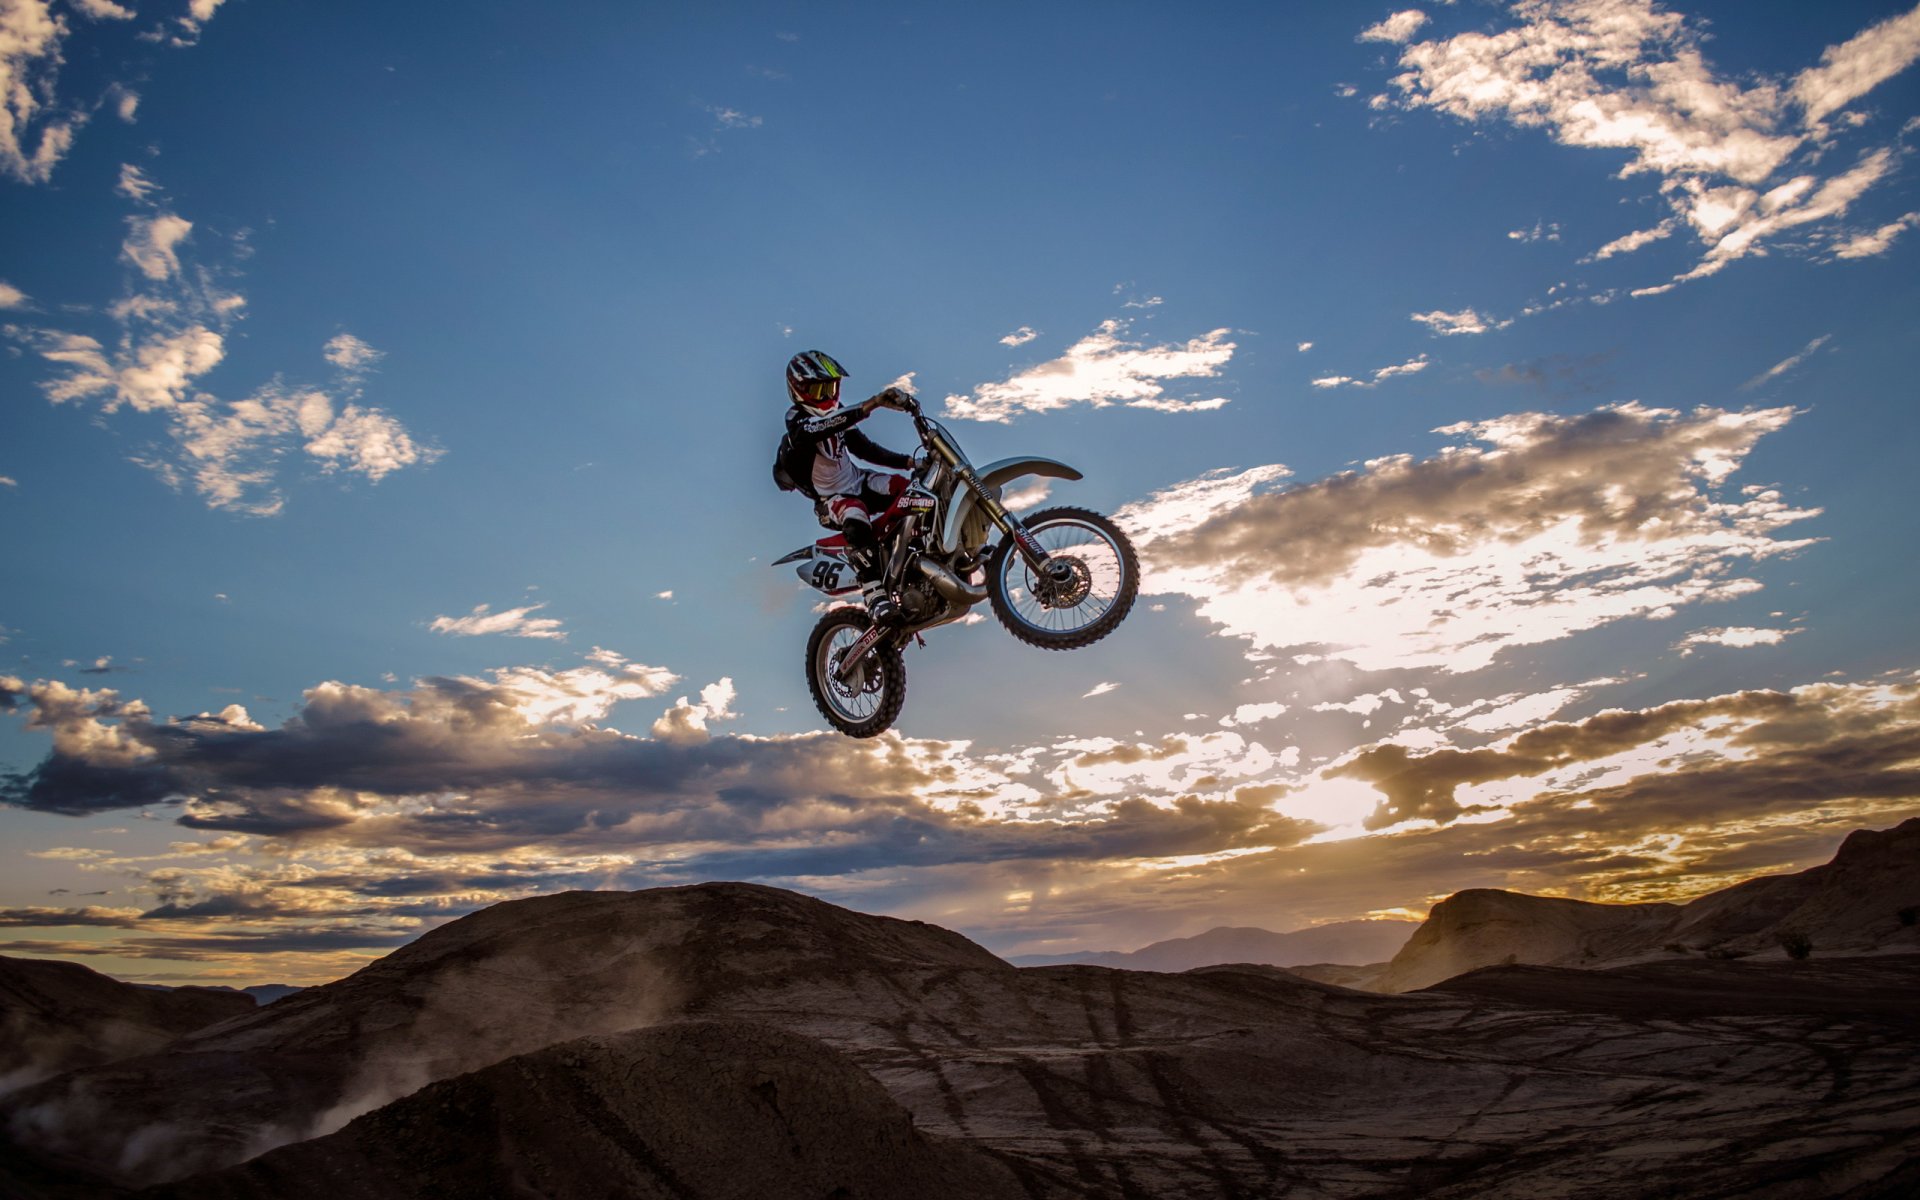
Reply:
x=1058 y=579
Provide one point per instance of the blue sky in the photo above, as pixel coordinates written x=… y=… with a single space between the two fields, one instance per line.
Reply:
x=1513 y=406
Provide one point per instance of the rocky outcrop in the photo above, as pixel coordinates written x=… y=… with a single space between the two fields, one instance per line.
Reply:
x=1867 y=900
x=1338 y=942
x=678 y=1110
x=56 y=1016
x=1234 y=1081
x=1485 y=927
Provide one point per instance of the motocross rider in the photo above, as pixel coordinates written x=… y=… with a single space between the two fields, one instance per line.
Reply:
x=846 y=496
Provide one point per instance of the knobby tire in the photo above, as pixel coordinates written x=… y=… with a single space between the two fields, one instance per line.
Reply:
x=1068 y=639
x=885 y=657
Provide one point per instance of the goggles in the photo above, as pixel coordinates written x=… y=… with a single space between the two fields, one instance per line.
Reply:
x=819 y=389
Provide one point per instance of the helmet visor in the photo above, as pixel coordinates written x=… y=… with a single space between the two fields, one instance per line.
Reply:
x=818 y=391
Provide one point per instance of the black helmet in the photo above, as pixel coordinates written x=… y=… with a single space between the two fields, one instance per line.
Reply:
x=813 y=379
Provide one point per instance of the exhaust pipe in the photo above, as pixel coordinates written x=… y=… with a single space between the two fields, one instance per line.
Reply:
x=950 y=586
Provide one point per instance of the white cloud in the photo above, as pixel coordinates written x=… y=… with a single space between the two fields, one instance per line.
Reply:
x=1410 y=367
x=1398 y=28
x=1542 y=231
x=1032 y=495
x=366 y=441
x=1451 y=324
x=583 y=695
x=199 y=12
x=687 y=721
x=351 y=354
x=30 y=36
x=103 y=10
x=1099 y=689
x=1106 y=768
x=1517 y=711
x=11 y=296
x=126 y=102
x=732 y=118
x=1736 y=636
x=11 y=482
x=1552 y=525
x=1867 y=245
x=1020 y=336
x=1303 y=347
x=152 y=244
x=1253 y=714
x=134 y=184
x=514 y=622
x=1628 y=243
x=150 y=373
x=1853 y=68
x=172 y=336
x=1628 y=75
x=1786 y=364
x=1102 y=369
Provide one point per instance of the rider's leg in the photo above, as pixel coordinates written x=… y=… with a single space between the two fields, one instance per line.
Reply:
x=863 y=551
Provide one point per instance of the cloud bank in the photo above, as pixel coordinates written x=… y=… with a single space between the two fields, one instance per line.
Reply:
x=1740 y=162
x=1102 y=369
x=1548 y=526
x=172 y=334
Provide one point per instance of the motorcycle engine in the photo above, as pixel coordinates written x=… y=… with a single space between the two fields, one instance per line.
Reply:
x=919 y=603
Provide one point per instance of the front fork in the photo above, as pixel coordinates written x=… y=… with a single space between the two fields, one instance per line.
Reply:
x=1054 y=575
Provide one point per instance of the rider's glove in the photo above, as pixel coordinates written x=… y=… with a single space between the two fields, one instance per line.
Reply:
x=895 y=397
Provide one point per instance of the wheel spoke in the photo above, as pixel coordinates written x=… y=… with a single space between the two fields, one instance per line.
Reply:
x=1104 y=572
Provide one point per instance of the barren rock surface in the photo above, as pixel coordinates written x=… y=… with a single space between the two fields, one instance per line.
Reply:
x=1866 y=901
x=706 y=1109
x=1082 y=1081
x=56 y=1016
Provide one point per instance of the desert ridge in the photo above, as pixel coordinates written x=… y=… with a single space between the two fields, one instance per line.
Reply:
x=540 y=1035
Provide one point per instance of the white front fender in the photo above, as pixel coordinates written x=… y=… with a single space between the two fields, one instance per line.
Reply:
x=994 y=476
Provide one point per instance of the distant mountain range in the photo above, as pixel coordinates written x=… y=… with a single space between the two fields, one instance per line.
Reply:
x=733 y=1039
x=1350 y=942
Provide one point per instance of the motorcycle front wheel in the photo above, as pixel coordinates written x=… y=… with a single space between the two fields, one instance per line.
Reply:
x=1090 y=592
x=865 y=703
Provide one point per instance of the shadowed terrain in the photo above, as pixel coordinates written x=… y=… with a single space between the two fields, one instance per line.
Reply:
x=56 y=1016
x=696 y=1109
x=1691 y=1078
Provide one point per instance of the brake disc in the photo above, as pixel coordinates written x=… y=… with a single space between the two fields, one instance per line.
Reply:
x=1066 y=592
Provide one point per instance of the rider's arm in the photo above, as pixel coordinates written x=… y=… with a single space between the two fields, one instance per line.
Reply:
x=815 y=426
x=824 y=425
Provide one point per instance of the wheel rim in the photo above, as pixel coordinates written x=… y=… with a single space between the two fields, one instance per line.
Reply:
x=859 y=697
x=1097 y=573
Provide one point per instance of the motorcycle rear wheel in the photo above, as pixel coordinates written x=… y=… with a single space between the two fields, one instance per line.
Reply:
x=1104 y=579
x=869 y=702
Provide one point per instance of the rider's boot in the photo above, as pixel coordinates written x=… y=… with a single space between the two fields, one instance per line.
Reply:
x=879 y=604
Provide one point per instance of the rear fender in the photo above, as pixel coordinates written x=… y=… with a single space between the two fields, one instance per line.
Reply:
x=823 y=567
x=994 y=476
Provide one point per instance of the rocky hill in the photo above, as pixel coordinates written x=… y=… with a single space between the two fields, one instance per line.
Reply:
x=1233 y=1081
x=1339 y=942
x=1867 y=900
x=678 y=1110
x=1484 y=926
x=56 y=1016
